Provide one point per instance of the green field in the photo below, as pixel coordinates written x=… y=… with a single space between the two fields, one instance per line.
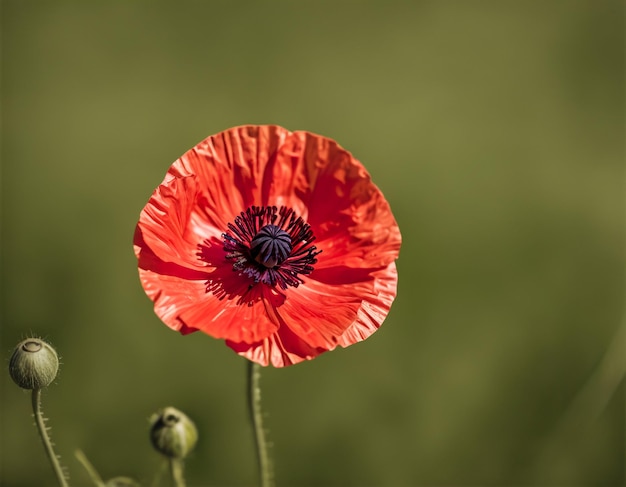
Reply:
x=495 y=130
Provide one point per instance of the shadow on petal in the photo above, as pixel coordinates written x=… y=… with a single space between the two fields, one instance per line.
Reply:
x=149 y=261
x=226 y=284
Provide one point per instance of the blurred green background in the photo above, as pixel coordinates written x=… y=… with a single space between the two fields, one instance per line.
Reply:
x=496 y=131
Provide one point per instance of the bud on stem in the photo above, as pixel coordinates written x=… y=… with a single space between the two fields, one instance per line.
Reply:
x=172 y=433
x=34 y=364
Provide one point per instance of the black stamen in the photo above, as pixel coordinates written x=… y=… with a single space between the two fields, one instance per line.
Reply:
x=271 y=246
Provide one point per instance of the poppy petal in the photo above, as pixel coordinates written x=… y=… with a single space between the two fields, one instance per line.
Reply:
x=319 y=320
x=231 y=167
x=189 y=301
x=173 y=223
x=199 y=267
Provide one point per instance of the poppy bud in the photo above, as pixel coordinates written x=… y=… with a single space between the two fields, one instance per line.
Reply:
x=34 y=364
x=172 y=433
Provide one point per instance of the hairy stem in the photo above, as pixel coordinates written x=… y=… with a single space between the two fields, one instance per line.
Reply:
x=43 y=433
x=176 y=472
x=266 y=468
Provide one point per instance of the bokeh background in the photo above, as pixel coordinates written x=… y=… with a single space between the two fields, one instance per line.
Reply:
x=496 y=131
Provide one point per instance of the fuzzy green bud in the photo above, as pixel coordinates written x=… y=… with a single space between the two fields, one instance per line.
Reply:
x=34 y=364
x=172 y=433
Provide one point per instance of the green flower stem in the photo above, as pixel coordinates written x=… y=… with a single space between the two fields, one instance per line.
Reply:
x=266 y=468
x=176 y=472
x=43 y=433
x=91 y=470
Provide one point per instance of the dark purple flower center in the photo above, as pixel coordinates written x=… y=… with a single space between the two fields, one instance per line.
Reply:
x=271 y=245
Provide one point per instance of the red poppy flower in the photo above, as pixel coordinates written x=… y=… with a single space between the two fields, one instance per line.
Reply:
x=276 y=241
